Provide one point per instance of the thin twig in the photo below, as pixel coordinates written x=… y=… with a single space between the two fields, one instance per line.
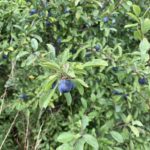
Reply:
x=2 y=99
x=146 y=11
x=38 y=136
x=9 y=131
x=26 y=136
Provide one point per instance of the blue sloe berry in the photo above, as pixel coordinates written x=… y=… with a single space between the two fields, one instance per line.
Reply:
x=97 y=47
x=54 y=84
x=48 y=24
x=66 y=10
x=23 y=96
x=4 y=56
x=49 y=14
x=65 y=86
x=125 y=96
x=87 y=56
x=73 y=51
x=59 y=40
x=115 y=69
x=105 y=19
x=142 y=81
x=115 y=92
x=33 y=11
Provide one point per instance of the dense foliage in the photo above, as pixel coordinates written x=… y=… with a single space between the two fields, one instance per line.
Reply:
x=74 y=75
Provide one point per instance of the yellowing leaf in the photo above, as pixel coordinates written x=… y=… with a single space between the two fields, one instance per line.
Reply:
x=31 y=77
x=10 y=48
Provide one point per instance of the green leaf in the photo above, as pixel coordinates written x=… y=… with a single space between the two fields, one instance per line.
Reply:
x=137 y=122
x=31 y=59
x=45 y=102
x=134 y=130
x=145 y=25
x=117 y=148
x=79 y=145
x=37 y=37
x=21 y=54
x=133 y=17
x=78 y=13
x=80 y=88
x=68 y=98
x=71 y=73
x=117 y=136
x=131 y=25
x=137 y=35
x=85 y=122
x=65 y=147
x=50 y=65
x=136 y=10
x=64 y=56
x=91 y=140
x=18 y=27
x=34 y=44
x=84 y=102
x=131 y=145
x=144 y=47
x=77 y=2
x=96 y=62
x=68 y=39
x=51 y=48
x=81 y=82
x=65 y=137
x=128 y=119
x=49 y=82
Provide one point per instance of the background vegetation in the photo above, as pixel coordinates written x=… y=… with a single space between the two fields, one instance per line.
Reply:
x=102 y=48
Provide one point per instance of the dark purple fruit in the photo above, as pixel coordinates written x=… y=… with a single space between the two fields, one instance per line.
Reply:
x=4 y=56
x=115 y=92
x=48 y=24
x=65 y=86
x=59 y=40
x=66 y=10
x=115 y=69
x=97 y=47
x=142 y=81
x=23 y=96
x=105 y=19
x=33 y=11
